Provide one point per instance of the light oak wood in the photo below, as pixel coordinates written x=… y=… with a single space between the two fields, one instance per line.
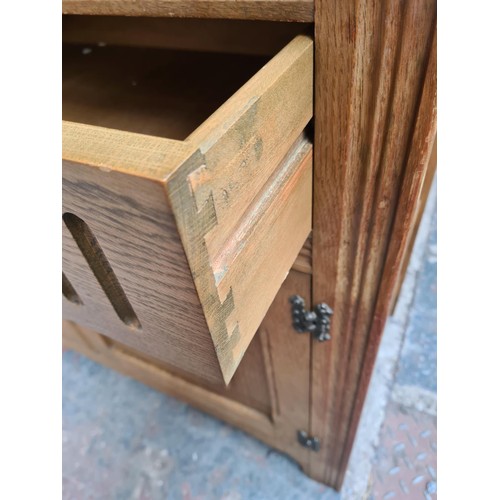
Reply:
x=276 y=10
x=422 y=200
x=79 y=338
x=134 y=365
x=160 y=288
x=248 y=263
x=262 y=38
x=229 y=222
x=248 y=386
x=149 y=91
x=128 y=217
x=277 y=372
x=303 y=262
x=237 y=190
x=375 y=95
x=287 y=358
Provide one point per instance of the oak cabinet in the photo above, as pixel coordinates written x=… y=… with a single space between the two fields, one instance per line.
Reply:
x=183 y=230
x=213 y=169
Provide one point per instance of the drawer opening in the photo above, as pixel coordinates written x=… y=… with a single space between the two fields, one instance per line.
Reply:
x=158 y=92
x=201 y=157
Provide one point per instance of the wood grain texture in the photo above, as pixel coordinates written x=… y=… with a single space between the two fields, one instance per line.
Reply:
x=102 y=270
x=422 y=200
x=130 y=219
x=69 y=291
x=133 y=364
x=257 y=255
x=248 y=386
x=287 y=355
x=275 y=10
x=253 y=211
x=262 y=38
x=159 y=92
x=79 y=338
x=277 y=362
x=375 y=94
x=303 y=262
x=109 y=150
x=238 y=190
x=72 y=338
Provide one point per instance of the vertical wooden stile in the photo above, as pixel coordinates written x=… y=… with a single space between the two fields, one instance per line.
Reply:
x=374 y=128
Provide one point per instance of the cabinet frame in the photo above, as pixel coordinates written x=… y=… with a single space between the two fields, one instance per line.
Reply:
x=374 y=130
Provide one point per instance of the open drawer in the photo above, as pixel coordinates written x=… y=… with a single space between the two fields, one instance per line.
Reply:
x=177 y=235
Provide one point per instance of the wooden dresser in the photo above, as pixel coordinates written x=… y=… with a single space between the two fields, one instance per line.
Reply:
x=242 y=182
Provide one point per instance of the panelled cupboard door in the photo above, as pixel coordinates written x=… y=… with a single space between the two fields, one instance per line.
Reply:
x=177 y=237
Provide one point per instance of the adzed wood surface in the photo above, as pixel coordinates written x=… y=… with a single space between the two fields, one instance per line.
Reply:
x=275 y=10
x=375 y=121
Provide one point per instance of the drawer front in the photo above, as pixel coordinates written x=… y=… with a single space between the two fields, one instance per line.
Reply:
x=123 y=256
x=177 y=248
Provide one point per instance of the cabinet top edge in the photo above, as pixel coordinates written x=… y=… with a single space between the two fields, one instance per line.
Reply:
x=264 y=10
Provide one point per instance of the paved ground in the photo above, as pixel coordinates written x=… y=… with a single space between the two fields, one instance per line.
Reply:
x=405 y=461
x=122 y=440
x=404 y=464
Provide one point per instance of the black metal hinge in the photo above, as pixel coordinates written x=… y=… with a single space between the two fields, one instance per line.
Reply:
x=307 y=441
x=316 y=322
